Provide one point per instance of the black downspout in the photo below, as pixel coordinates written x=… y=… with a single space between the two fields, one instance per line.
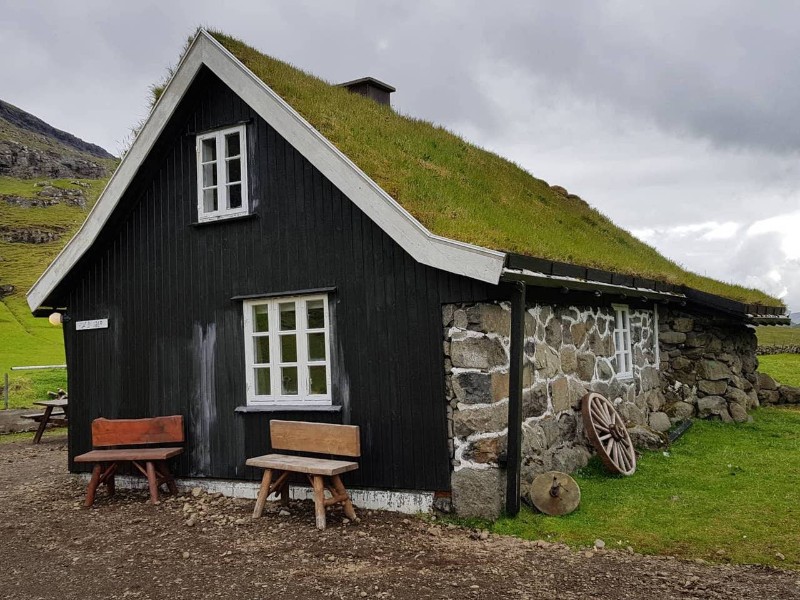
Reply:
x=514 y=452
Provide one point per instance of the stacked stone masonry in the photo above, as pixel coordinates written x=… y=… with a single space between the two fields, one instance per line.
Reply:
x=568 y=351
x=683 y=366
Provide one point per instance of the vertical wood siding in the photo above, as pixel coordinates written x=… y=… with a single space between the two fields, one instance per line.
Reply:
x=175 y=339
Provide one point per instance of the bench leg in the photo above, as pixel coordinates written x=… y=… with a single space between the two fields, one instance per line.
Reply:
x=285 y=493
x=166 y=476
x=93 y=483
x=349 y=512
x=42 y=424
x=152 y=480
x=319 y=500
x=263 y=492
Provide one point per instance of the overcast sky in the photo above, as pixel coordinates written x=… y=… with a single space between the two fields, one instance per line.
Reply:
x=676 y=119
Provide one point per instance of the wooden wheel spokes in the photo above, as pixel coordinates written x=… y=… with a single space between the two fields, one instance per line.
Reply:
x=608 y=434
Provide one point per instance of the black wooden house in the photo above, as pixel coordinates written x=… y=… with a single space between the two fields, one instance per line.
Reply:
x=244 y=269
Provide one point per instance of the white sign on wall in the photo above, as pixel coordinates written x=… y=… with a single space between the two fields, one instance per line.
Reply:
x=93 y=324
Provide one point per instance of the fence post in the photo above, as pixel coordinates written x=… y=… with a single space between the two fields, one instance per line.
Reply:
x=5 y=391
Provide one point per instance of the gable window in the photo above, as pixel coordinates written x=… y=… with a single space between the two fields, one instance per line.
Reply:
x=221 y=174
x=287 y=350
x=622 y=341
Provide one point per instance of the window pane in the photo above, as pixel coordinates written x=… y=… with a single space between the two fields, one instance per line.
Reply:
x=262 y=382
x=261 y=317
x=287 y=316
x=210 y=200
x=235 y=196
x=234 y=170
x=261 y=349
x=289 y=381
x=316 y=346
x=318 y=379
x=210 y=175
x=209 y=149
x=316 y=314
x=232 y=144
x=288 y=348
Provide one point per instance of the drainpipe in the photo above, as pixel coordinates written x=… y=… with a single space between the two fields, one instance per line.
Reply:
x=514 y=452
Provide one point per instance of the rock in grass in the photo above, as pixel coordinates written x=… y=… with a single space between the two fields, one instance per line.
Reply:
x=599 y=544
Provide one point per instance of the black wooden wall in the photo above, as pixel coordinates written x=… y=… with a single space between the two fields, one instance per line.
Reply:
x=175 y=341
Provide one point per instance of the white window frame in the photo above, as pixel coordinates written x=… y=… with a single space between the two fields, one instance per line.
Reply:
x=301 y=330
x=622 y=341
x=222 y=211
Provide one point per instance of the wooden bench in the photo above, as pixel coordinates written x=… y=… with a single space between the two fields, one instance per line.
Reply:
x=109 y=438
x=317 y=438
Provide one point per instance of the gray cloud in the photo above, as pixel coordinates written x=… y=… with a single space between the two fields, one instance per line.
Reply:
x=664 y=115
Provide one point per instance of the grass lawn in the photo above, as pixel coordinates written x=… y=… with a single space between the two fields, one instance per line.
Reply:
x=25 y=340
x=784 y=368
x=778 y=336
x=723 y=493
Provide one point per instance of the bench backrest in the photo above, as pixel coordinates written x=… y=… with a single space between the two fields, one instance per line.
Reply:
x=136 y=432
x=319 y=438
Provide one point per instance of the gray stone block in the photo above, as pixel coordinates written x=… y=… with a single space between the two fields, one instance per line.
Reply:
x=659 y=421
x=546 y=361
x=680 y=410
x=645 y=438
x=534 y=400
x=765 y=382
x=737 y=396
x=712 y=388
x=738 y=413
x=586 y=362
x=672 y=337
x=481 y=420
x=712 y=370
x=478 y=493
x=711 y=405
x=569 y=360
x=559 y=394
x=478 y=353
x=472 y=387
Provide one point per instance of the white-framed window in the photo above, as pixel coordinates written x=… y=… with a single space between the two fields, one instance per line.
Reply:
x=287 y=350
x=622 y=340
x=221 y=174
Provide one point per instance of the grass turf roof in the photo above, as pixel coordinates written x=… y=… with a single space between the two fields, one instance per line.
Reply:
x=463 y=192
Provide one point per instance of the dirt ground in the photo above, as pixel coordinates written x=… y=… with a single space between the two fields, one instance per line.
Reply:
x=126 y=548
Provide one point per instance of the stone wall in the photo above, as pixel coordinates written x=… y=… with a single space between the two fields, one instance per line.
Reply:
x=568 y=351
x=708 y=367
x=785 y=349
x=772 y=392
x=697 y=366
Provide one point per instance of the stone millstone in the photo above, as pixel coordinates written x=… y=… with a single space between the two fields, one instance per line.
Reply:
x=555 y=493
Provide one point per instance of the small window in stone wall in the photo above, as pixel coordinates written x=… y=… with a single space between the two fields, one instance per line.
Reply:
x=622 y=341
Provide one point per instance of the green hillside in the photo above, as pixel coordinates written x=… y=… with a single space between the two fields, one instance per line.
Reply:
x=463 y=192
x=38 y=215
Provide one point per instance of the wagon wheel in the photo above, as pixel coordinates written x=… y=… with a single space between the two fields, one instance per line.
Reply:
x=608 y=434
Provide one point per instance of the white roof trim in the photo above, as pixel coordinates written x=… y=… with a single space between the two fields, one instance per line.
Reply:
x=425 y=247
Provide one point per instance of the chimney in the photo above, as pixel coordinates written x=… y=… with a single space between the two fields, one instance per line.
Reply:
x=370 y=87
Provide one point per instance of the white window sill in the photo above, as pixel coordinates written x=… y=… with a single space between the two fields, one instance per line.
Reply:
x=225 y=219
x=266 y=408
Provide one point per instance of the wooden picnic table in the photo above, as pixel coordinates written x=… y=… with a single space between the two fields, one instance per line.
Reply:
x=49 y=406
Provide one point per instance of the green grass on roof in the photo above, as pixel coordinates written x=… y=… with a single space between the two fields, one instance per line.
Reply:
x=463 y=192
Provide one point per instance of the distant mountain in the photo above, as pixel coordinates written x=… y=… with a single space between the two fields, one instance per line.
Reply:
x=795 y=317
x=30 y=148
x=49 y=180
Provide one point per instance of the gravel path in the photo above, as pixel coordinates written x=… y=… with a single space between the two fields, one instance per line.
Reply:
x=125 y=548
